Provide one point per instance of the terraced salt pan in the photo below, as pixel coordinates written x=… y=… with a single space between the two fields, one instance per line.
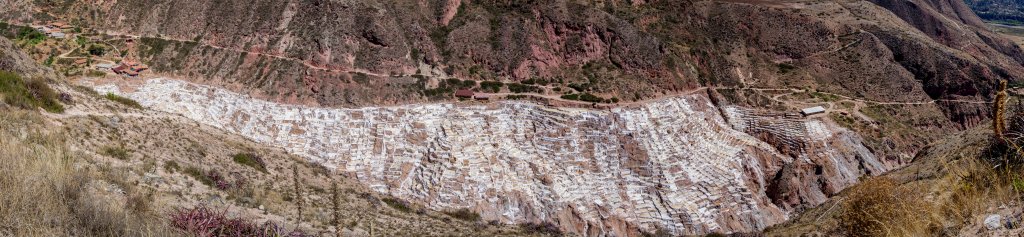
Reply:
x=673 y=164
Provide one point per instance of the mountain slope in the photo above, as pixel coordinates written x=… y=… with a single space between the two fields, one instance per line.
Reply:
x=882 y=68
x=1011 y=11
x=955 y=187
x=106 y=168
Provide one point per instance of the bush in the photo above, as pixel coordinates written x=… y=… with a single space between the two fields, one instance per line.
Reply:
x=123 y=100
x=32 y=94
x=571 y=97
x=397 y=204
x=579 y=87
x=214 y=179
x=591 y=98
x=118 y=152
x=171 y=166
x=880 y=207
x=541 y=228
x=515 y=97
x=786 y=68
x=464 y=214
x=203 y=221
x=31 y=36
x=251 y=160
x=491 y=86
x=97 y=50
x=199 y=175
x=520 y=88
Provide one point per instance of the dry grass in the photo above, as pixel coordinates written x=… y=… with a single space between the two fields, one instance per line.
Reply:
x=967 y=183
x=881 y=207
x=46 y=195
x=946 y=191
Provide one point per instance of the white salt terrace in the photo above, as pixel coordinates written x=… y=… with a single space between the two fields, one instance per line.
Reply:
x=674 y=164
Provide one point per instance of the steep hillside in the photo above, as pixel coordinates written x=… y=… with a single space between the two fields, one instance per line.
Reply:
x=1006 y=11
x=641 y=41
x=962 y=185
x=331 y=53
x=105 y=167
x=612 y=117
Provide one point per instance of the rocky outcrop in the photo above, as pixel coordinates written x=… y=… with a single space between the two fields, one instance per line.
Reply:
x=674 y=165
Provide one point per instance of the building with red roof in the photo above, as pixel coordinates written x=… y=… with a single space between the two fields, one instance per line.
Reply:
x=464 y=93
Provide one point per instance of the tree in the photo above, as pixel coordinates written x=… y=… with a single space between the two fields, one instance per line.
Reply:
x=97 y=50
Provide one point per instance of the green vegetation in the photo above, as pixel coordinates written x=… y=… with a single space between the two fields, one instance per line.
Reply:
x=785 y=68
x=97 y=50
x=445 y=88
x=95 y=73
x=30 y=36
x=171 y=166
x=460 y=84
x=199 y=175
x=49 y=60
x=118 y=152
x=579 y=87
x=438 y=92
x=123 y=100
x=251 y=160
x=81 y=41
x=520 y=88
x=155 y=45
x=361 y=78
x=587 y=97
x=491 y=86
x=826 y=97
x=537 y=81
x=591 y=98
x=464 y=214
x=414 y=53
x=397 y=204
x=4 y=27
x=843 y=120
x=516 y=97
x=28 y=95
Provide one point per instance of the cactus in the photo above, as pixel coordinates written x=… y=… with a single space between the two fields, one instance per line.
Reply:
x=335 y=206
x=999 y=108
x=298 y=193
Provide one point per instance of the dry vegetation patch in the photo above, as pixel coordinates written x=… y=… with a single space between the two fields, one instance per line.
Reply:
x=47 y=194
x=881 y=207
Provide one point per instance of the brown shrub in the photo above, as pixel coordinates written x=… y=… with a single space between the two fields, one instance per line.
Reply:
x=881 y=207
